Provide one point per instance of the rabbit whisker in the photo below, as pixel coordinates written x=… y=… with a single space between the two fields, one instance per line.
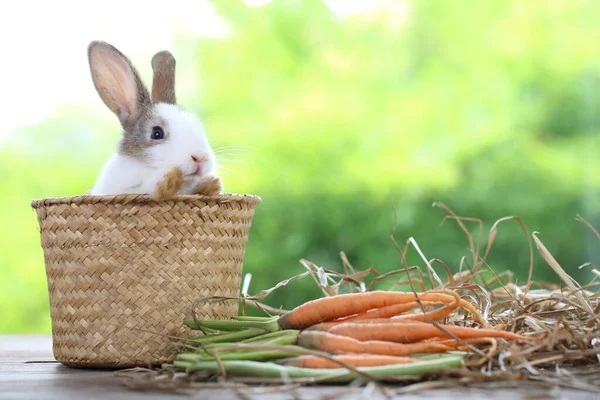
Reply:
x=233 y=151
x=220 y=139
x=234 y=146
x=238 y=149
x=233 y=161
x=251 y=159
x=236 y=159
x=229 y=170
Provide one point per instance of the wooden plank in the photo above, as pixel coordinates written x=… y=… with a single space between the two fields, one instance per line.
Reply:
x=28 y=371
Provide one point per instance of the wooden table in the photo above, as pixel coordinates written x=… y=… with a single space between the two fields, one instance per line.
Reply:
x=28 y=371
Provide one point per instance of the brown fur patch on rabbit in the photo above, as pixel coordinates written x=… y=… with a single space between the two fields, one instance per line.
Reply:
x=169 y=186
x=212 y=187
x=173 y=181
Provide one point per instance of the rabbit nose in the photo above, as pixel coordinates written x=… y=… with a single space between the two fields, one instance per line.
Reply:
x=196 y=159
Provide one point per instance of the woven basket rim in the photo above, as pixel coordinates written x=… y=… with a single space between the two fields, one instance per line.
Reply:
x=138 y=198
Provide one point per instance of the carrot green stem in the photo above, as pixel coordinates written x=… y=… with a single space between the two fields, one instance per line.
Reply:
x=228 y=337
x=265 y=337
x=211 y=331
x=210 y=346
x=248 y=368
x=269 y=325
x=181 y=364
x=192 y=325
x=255 y=355
x=249 y=318
x=284 y=340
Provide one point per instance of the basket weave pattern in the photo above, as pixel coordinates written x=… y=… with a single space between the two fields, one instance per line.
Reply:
x=124 y=271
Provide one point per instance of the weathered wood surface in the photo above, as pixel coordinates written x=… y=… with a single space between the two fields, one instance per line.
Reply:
x=28 y=371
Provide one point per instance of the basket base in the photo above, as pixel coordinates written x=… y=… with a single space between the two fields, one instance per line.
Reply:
x=110 y=366
x=102 y=359
x=102 y=347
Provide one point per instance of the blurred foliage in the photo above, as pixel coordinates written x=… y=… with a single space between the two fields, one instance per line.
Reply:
x=350 y=129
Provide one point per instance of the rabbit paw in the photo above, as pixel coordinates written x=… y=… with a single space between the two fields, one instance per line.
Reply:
x=210 y=186
x=169 y=185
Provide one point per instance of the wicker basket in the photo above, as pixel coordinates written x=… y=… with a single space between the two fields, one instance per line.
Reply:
x=124 y=271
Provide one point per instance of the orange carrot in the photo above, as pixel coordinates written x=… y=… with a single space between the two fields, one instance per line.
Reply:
x=478 y=317
x=460 y=345
x=435 y=315
x=336 y=344
x=413 y=331
x=356 y=360
x=327 y=326
x=443 y=312
x=343 y=305
x=386 y=312
x=393 y=310
x=454 y=342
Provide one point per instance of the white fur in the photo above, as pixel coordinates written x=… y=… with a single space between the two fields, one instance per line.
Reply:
x=184 y=137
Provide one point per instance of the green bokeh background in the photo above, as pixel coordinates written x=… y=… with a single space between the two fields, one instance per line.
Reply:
x=349 y=128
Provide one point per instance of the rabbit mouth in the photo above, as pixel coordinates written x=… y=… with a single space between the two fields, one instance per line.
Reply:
x=197 y=166
x=195 y=171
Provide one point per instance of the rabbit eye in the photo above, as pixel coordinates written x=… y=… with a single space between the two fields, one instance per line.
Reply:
x=157 y=133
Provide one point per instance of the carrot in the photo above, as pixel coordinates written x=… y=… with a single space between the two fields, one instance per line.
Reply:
x=478 y=317
x=328 y=326
x=386 y=312
x=461 y=346
x=413 y=331
x=337 y=344
x=393 y=310
x=343 y=305
x=445 y=311
x=454 y=342
x=356 y=360
x=435 y=315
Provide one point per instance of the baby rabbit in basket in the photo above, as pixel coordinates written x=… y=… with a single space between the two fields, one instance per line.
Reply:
x=163 y=149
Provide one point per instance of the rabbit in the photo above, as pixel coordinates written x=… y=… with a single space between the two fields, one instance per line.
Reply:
x=158 y=136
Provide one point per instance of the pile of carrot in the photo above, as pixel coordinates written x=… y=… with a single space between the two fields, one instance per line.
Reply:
x=365 y=329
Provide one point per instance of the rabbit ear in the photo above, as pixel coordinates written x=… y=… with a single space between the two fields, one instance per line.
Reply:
x=163 y=85
x=117 y=82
